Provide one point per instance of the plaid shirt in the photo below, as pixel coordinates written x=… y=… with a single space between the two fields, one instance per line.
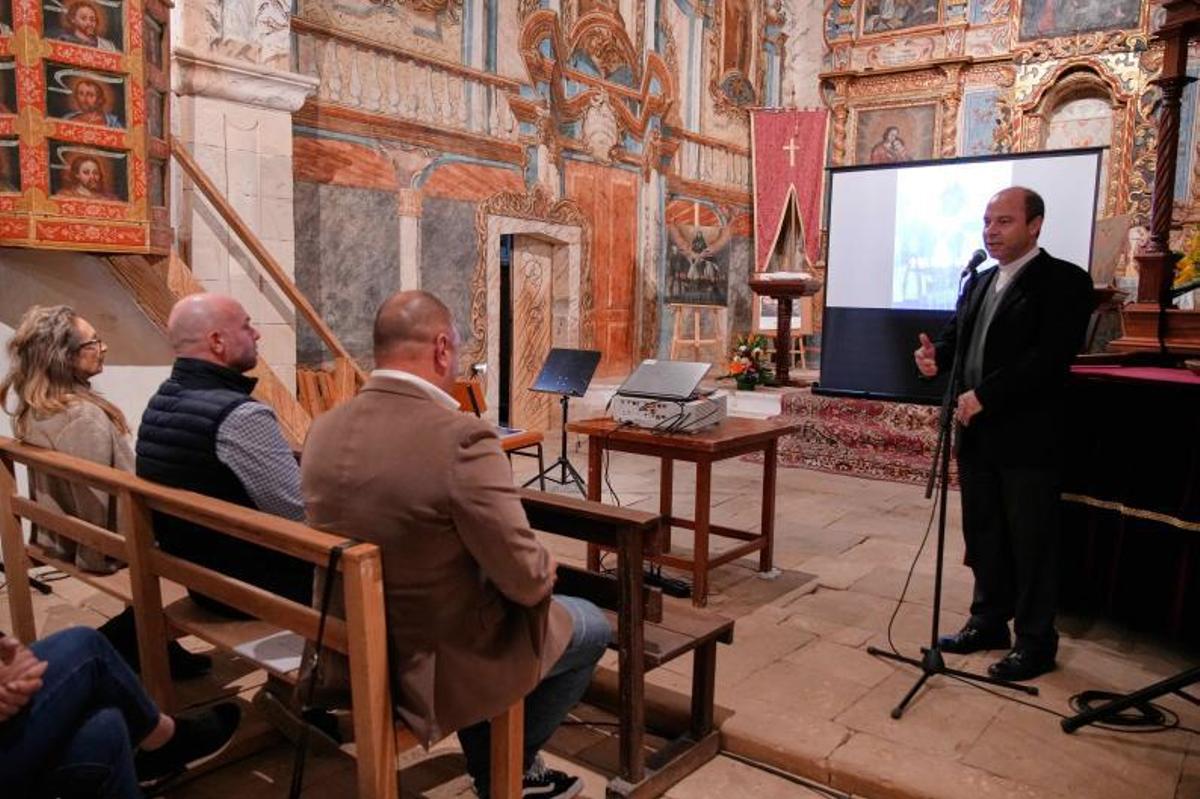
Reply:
x=250 y=443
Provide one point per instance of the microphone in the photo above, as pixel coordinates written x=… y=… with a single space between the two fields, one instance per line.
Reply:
x=977 y=257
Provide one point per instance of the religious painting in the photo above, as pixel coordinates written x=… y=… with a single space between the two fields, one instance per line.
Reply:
x=89 y=23
x=733 y=45
x=80 y=95
x=1043 y=19
x=895 y=135
x=8 y=87
x=88 y=173
x=885 y=16
x=736 y=30
x=979 y=121
x=698 y=264
x=10 y=169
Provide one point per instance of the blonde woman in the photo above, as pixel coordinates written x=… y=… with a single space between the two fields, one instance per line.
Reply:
x=53 y=356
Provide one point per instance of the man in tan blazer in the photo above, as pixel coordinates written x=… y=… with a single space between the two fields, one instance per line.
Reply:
x=471 y=619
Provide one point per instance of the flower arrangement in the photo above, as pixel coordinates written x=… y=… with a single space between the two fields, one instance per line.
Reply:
x=1187 y=269
x=748 y=363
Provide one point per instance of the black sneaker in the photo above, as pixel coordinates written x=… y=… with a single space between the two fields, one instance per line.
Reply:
x=542 y=781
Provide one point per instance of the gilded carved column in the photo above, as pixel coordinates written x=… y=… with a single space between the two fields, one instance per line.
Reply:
x=950 y=125
x=1155 y=263
x=840 y=114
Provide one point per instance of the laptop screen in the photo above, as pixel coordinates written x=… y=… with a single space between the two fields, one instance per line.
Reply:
x=664 y=379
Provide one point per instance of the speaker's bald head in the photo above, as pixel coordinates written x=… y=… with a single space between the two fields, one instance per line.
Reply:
x=408 y=322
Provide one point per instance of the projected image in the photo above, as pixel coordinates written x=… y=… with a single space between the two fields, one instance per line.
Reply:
x=938 y=226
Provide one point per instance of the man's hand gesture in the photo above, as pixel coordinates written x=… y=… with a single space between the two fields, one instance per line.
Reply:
x=926 y=357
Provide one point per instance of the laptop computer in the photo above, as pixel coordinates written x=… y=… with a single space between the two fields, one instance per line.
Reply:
x=664 y=380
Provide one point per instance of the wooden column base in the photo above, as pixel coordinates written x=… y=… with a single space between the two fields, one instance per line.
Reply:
x=1182 y=333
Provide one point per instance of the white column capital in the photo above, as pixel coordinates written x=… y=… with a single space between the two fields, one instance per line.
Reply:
x=210 y=75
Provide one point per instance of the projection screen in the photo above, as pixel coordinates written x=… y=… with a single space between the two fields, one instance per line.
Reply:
x=899 y=237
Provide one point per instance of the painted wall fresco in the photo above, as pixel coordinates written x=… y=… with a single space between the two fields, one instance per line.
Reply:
x=449 y=253
x=979 y=121
x=983 y=12
x=347 y=251
x=438 y=34
x=1042 y=19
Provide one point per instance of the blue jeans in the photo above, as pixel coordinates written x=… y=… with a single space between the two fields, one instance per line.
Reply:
x=76 y=735
x=559 y=691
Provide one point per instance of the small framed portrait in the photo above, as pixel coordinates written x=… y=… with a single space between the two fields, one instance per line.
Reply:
x=88 y=173
x=10 y=167
x=8 y=87
x=6 y=20
x=90 y=23
x=894 y=135
x=80 y=95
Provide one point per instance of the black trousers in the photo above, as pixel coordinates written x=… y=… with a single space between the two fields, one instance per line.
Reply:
x=1011 y=526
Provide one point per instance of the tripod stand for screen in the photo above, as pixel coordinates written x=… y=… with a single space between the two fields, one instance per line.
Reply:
x=568 y=374
x=931 y=663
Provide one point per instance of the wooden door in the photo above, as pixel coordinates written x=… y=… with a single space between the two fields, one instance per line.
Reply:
x=609 y=198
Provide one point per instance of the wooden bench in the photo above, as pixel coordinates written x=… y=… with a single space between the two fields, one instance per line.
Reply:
x=649 y=633
x=154 y=577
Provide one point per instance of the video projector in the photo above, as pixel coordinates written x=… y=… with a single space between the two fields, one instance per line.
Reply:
x=662 y=395
x=671 y=416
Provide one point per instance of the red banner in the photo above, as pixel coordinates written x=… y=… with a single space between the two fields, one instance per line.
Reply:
x=789 y=158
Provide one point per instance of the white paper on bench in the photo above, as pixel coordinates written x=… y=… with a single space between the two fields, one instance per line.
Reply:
x=280 y=652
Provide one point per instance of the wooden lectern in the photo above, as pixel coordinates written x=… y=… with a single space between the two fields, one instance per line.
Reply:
x=784 y=291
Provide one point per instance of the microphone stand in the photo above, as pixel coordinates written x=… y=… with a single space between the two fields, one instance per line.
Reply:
x=931 y=663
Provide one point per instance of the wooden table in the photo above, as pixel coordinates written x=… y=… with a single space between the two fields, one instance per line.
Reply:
x=732 y=437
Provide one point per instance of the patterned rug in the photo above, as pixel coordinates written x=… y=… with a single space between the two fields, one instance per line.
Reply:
x=865 y=438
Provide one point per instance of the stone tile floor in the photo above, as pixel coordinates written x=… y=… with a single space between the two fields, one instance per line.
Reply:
x=798 y=692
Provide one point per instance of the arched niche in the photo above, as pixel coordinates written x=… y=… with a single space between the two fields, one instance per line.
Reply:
x=1083 y=105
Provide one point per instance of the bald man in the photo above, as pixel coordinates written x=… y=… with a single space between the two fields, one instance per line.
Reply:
x=472 y=624
x=1021 y=325
x=203 y=432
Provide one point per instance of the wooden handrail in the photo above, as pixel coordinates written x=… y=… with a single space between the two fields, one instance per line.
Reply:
x=259 y=251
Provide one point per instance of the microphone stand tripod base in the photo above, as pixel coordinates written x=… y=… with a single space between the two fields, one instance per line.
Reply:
x=932 y=663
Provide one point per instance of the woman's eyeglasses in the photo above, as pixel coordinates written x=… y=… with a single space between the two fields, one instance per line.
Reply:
x=92 y=342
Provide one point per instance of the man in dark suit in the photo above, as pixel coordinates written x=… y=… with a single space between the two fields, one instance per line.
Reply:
x=1022 y=323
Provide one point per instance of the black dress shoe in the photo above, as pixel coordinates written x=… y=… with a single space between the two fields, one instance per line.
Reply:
x=975 y=639
x=1020 y=665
